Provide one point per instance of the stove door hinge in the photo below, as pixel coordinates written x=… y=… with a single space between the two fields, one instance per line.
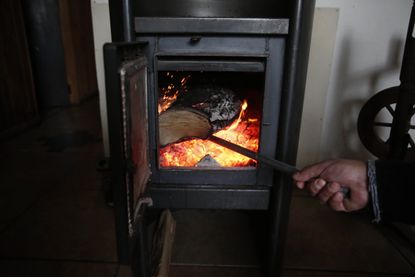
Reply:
x=147 y=200
x=142 y=203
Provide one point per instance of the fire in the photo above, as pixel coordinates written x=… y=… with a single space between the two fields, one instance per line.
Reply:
x=244 y=131
x=169 y=94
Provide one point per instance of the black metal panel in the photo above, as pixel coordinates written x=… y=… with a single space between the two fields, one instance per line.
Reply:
x=213 y=45
x=209 y=197
x=121 y=20
x=295 y=73
x=271 y=105
x=216 y=25
x=116 y=22
x=219 y=64
x=213 y=8
x=226 y=176
x=270 y=52
x=295 y=70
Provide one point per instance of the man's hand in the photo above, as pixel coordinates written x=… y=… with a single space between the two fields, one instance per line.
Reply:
x=325 y=180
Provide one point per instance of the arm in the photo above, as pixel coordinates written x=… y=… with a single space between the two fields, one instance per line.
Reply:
x=392 y=187
x=396 y=190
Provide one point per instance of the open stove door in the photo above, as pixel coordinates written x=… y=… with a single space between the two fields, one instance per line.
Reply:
x=126 y=88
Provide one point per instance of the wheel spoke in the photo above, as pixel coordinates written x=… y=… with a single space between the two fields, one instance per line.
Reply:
x=410 y=117
x=383 y=124
x=411 y=142
x=390 y=109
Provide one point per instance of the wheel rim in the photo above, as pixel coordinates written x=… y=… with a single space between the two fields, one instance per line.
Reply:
x=375 y=122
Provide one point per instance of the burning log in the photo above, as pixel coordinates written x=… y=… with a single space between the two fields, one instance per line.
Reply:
x=197 y=114
x=179 y=124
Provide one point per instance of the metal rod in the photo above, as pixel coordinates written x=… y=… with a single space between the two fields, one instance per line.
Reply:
x=127 y=20
x=278 y=165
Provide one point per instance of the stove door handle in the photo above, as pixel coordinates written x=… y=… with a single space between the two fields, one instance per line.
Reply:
x=195 y=39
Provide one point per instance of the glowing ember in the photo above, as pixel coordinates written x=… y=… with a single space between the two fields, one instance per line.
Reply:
x=169 y=94
x=244 y=132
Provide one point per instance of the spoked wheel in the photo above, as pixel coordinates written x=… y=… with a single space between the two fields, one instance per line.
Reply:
x=375 y=123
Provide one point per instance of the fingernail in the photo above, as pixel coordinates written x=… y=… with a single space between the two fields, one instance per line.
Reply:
x=320 y=183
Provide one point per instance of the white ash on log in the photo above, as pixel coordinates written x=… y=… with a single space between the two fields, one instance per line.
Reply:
x=208 y=161
x=197 y=114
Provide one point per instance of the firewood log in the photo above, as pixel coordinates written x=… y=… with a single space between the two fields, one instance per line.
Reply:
x=182 y=123
x=198 y=113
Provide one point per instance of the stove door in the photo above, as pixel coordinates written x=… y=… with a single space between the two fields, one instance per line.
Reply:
x=133 y=77
x=126 y=88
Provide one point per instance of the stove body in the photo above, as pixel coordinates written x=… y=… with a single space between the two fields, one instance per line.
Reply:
x=236 y=55
x=260 y=54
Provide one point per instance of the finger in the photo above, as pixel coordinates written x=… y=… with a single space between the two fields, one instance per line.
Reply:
x=356 y=201
x=312 y=171
x=300 y=185
x=316 y=186
x=336 y=202
x=328 y=191
x=349 y=205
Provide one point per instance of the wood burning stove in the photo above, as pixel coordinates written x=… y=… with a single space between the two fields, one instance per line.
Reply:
x=260 y=56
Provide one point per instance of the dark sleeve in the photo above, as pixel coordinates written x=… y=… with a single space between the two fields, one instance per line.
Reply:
x=396 y=190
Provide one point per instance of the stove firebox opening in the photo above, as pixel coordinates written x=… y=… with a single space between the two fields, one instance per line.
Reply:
x=193 y=105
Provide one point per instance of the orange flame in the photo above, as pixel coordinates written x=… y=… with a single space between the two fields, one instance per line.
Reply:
x=243 y=131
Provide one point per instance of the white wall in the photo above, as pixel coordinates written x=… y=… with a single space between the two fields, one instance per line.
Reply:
x=367 y=56
x=102 y=34
x=322 y=46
